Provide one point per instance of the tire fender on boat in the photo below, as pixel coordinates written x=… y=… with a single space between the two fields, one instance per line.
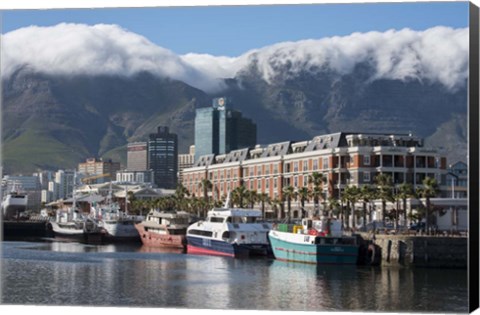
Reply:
x=371 y=254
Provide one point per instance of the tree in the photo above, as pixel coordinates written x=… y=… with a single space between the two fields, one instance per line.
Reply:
x=263 y=198
x=276 y=204
x=238 y=195
x=384 y=186
x=351 y=194
x=252 y=197
x=405 y=191
x=317 y=180
x=288 y=195
x=206 y=186
x=333 y=205
x=429 y=190
x=367 y=194
x=303 y=194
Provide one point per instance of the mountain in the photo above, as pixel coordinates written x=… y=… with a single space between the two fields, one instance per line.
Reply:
x=53 y=122
x=63 y=105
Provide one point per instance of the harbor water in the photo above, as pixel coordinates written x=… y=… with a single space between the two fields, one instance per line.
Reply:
x=54 y=273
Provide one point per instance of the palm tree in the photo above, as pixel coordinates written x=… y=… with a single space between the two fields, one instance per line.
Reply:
x=367 y=194
x=180 y=193
x=333 y=205
x=206 y=185
x=384 y=186
x=288 y=195
x=429 y=190
x=238 y=195
x=303 y=194
x=352 y=194
x=276 y=204
x=263 y=198
x=252 y=197
x=405 y=190
x=317 y=180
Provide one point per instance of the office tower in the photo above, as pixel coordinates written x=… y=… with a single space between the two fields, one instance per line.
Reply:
x=98 y=170
x=137 y=156
x=163 y=157
x=220 y=129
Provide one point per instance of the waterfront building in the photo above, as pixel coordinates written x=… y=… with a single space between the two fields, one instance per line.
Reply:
x=98 y=170
x=344 y=159
x=139 y=177
x=163 y=157
x=185 y=161
x=220 y=129
x=137 y=156
x=457 y=177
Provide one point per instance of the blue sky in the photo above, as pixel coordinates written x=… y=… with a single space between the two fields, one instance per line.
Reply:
x=233 y=30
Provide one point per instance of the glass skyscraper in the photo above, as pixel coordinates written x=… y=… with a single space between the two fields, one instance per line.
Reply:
x=163 y=158
x=220 y=129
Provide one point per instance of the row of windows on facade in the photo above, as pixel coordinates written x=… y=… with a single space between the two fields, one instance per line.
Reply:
x=345 y=178
x=325 y=162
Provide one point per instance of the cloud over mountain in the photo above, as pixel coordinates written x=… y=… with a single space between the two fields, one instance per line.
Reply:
x=439 y=54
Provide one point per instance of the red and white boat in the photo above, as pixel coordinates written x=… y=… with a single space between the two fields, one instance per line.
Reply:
x=164 y=229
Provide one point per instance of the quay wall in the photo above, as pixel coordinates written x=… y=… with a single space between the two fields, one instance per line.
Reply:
x=418 y=251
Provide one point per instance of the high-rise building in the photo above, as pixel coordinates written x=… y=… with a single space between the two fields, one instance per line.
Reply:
x=220 y=129
x=185 y=161
x=99 y=170
x=163 y=157
x=137 y=156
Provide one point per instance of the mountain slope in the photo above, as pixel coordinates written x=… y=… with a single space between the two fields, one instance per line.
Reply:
x=72 y=118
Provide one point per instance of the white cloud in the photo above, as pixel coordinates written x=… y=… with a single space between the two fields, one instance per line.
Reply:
x=71 y=49
x=438 y=54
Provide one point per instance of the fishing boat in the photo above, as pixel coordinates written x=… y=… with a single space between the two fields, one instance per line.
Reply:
x=164 y=229
x=73 y=225
x=315 y=241
x=119 y=226
x=232 y=232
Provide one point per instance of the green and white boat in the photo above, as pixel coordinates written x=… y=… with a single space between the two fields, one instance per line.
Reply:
x=316 y=241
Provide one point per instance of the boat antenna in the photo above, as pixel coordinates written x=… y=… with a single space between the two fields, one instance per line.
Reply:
x=227 y=201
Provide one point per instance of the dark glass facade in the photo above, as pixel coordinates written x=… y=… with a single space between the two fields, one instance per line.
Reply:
x=163 y=158
x=220 y=129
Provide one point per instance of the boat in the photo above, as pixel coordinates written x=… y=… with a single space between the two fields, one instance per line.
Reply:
x=14 y=203
x=315 y=241
x=232 y=232
x=73 y=225
x=119 y=226
x=164 y=229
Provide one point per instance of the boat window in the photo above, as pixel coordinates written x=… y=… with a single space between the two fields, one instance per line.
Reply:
x=249 y=219
x=216 y=220
x=229 y=219
x=200 y=232
x=226 y=235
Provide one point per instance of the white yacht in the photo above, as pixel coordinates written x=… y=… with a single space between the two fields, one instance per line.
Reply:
x=230 y=232
x=13 y=204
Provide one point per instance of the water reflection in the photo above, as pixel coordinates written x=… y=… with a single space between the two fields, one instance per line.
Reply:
x=117 y=275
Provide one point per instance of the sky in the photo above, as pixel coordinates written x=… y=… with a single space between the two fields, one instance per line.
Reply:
x=234 y=30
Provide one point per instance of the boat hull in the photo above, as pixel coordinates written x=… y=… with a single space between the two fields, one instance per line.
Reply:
x=287 y=247
x=121 y=232
x=204 y=246
x=152 y=239
x=76 y=235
